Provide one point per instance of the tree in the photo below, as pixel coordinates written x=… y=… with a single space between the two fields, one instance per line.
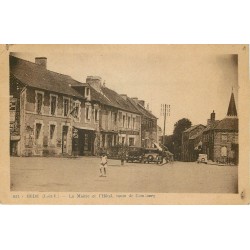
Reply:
x=179 y=127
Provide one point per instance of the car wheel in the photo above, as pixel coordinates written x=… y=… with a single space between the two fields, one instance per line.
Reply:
x=150 y=158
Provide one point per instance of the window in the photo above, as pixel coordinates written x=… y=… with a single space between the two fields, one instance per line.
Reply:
x=223 y=151
x=224 y=137
x=129 y=122
x=52 y=132
x=131 y=141
x=39 y=104
x=103 y=140
x=87 y=115
x=53 y=105
x=96 y=115
x=120 y=116
x=133 y=123
x=65 y=107
x=123 y=140
x=115 y=117
x=38 y=131
x=76 y=110
x=87 y=91
x=123 y=120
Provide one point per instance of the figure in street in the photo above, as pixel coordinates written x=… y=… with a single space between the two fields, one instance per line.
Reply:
x=103 y=165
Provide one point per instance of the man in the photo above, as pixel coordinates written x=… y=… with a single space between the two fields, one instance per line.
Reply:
x=103 y=165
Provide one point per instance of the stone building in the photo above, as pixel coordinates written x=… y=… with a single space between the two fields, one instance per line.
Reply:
x=148 y=123
x=192 y=142
x=220 y=138
x=120 y=121
x=54 y=112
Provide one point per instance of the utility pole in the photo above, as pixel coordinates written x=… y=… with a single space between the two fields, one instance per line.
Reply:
x=165 y=111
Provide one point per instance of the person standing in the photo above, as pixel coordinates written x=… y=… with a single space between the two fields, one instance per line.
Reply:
x=103 y=165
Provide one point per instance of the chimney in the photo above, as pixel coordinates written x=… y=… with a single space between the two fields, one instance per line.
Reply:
x=95 y=82
x=142 y=102
x=124 y=96
x=212 y=117
x=135 y=99
x=42 y=61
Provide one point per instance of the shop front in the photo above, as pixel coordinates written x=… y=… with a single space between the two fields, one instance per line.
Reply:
x=83 y=141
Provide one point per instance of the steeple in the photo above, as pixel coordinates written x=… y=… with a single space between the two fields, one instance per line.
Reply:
x=232 y=107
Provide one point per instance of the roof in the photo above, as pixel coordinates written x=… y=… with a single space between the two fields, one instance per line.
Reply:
x=192 y=128
x=111 y=98
x=117 y=100
x=211 y=126
x=196 y=135
x=96 y=96
x=228 y=124
x=232 y=107
x=34 y=75
x=141 y=109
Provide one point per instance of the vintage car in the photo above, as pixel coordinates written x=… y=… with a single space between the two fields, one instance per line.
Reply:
x=202 y=158
x=152 y=155
x=135 y=154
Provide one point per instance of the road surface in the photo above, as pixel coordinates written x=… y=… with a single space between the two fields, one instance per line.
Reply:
x=82 y=175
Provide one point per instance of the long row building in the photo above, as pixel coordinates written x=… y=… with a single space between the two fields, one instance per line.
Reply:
x=54 y=114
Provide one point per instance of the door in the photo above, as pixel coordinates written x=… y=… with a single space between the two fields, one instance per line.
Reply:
x=64 y=139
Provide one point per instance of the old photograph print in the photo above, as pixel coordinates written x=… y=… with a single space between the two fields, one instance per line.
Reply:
x=124 y=118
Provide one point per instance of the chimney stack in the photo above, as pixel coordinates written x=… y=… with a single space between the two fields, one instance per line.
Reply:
x=142 y=103
x=135 y=99
x=42 y=61
x=212 y=116
x=124 y=96
x=95 y=82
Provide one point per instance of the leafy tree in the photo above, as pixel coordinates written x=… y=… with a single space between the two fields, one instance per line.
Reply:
x=179 y=127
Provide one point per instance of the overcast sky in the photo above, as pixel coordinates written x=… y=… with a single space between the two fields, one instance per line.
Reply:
x=192 y=81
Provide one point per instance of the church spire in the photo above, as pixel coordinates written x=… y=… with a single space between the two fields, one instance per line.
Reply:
x=232 y=107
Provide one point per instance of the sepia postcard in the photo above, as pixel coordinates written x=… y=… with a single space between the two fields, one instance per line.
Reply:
x=124 y=124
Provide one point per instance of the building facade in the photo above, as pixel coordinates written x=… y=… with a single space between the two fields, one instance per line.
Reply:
x=53 y=114
x=192 y=142
x=54 y=118
x=119 y=120
x=149 y=126
x=220 y=139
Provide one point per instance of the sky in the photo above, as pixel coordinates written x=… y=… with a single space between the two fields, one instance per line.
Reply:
x=193 y=81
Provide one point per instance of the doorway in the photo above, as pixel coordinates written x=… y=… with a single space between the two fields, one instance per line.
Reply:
x=64 y=139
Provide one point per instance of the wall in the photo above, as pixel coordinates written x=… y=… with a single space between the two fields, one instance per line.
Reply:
x=44 y=145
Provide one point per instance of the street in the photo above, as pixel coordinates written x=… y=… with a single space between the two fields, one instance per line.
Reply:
x=82 y=175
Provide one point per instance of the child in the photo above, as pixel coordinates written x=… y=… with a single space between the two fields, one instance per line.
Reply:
x=103 y=165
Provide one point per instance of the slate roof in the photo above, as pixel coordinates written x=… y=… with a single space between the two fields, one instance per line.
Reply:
x=111 y=98
x=228 y=124
x=141 y=109
x=34 y=75
x=232 y=107
x=118 y=101
x=211 y=126
x=196 y=135
x=193 y=127
x=98 y=97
